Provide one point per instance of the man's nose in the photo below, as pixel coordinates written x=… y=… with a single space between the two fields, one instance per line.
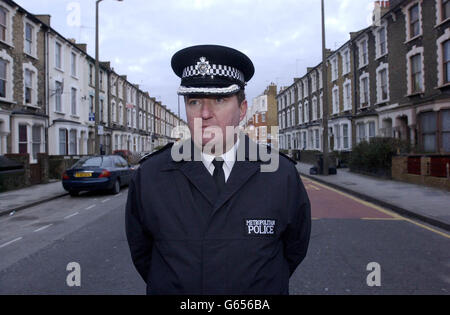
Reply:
x=206 y=109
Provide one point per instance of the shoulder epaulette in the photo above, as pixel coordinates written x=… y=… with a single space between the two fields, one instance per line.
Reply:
x=148 y=155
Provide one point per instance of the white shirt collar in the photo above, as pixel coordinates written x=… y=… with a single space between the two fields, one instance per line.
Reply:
x=228 y=157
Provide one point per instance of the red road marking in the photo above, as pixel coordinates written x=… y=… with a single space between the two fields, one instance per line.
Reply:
x=326 y=203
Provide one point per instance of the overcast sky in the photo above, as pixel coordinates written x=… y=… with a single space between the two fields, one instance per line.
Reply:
x=139 y=37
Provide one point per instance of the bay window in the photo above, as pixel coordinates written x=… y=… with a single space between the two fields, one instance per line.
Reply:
x=371 y=130
x=429 y=129
x=23 y=139
x=345 y=135
x=37 y=139
x=445 y=123
x=73 y=142
x=361 y=132
x=62 y=141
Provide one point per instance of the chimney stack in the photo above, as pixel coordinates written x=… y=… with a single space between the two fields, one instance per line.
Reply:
x=106 y=64
x=380 y=9
x=44 y=18
x=82 y=47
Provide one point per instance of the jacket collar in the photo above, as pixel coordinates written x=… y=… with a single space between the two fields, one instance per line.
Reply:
x=243 y=152
x=246 y=166
x=228 y=157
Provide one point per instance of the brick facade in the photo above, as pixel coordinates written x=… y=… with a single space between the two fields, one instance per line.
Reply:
x=392 y=109
x=29 y=120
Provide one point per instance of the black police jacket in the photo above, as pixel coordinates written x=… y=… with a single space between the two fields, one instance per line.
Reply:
x=184 y=239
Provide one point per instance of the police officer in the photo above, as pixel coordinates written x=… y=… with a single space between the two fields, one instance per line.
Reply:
x=216 y=224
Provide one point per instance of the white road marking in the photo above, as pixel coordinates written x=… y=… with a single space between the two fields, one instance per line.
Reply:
x=90 y=207
x=103 y=201
x=10 y=242
x=72 y=215
x=119 y=194
x=43 y=228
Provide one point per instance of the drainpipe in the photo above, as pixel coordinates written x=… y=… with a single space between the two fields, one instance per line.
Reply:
x=355 y=97
x=47 y=98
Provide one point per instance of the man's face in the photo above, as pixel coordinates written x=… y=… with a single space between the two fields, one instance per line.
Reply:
x=214 y=113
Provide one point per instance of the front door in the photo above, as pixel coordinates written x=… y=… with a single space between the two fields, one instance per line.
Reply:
x=35 y=174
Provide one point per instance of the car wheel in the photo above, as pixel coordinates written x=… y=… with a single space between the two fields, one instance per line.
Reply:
x=73 y=193
x=116 y=187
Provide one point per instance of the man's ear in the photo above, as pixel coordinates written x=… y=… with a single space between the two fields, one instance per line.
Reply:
x=243 y=110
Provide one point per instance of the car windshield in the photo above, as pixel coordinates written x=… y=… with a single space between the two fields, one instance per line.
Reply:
x=89 y=162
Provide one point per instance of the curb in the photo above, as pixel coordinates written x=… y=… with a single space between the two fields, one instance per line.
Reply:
x=32 y=204
x=397 y=209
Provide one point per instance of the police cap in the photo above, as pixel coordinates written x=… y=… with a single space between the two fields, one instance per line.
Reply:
x=212 y=70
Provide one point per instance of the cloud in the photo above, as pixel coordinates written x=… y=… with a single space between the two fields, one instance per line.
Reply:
x=282 y=38
x=171 y=46
x=135 y=68
x=196 y=5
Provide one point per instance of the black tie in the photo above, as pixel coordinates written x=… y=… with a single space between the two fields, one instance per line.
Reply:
x=219 y=175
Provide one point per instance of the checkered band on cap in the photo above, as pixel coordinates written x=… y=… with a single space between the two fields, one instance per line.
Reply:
x=219 y=70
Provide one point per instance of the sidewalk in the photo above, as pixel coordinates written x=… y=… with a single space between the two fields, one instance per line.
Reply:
x=427 y=204
x=27 y=197
x=420 y=202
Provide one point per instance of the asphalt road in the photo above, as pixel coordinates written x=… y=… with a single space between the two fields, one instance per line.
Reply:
x=348 y=234
x=37 y=244
x=88 y=230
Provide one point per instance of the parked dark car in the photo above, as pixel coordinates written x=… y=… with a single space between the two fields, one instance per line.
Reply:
x=107 y=172
x=123 y=153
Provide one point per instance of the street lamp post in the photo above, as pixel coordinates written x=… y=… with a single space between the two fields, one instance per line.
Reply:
x=97 y=81
x=325 y=95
